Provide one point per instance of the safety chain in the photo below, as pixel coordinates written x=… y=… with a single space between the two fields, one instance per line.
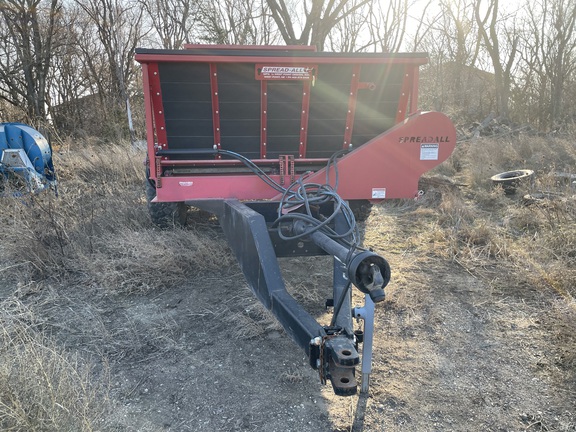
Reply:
x=321 y=368
x=331 y=333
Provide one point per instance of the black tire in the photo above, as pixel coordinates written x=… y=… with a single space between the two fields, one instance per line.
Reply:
x=510 y=180
x=361 y=209
x=165 y=214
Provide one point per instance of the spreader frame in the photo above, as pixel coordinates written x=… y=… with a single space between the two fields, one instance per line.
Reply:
x=236 y=130
x=189 y=172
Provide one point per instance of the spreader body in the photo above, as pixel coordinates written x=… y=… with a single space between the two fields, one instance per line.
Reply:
x=283 y=144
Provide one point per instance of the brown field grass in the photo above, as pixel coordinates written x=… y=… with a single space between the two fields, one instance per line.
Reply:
x=43 y=387
x=97 y=230
x=531 y=233
x=97 y=235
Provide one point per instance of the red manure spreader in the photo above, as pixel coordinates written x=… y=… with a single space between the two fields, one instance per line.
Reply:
x=288 y=147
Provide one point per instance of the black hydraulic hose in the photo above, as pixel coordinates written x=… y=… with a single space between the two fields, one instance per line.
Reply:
x=300 y=194
x=339 y=304
x=255 y=169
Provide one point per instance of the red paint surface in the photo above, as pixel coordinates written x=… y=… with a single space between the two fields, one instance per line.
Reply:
x=388 y=161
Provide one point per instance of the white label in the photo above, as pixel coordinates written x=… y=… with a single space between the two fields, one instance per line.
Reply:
x=378 y=193
x=185 y=183
x=283 y=72
x=429 y=151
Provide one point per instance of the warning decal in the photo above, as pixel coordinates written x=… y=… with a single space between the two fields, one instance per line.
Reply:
x=429 y=151
x=378 y=193
x=279 y=72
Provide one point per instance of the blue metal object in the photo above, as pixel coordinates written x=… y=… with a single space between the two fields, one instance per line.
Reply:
x=25 y=160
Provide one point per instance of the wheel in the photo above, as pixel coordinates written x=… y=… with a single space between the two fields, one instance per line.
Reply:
x=164 y=214
x=361 y=209
x=509 y=180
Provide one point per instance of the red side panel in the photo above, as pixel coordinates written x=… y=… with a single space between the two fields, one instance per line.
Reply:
x=405 y=93
x=215 y=105
x=149 y=108
x=351 y=106
x=304 y=119
x=263 y=117
x=157 y=105
x=389 y=166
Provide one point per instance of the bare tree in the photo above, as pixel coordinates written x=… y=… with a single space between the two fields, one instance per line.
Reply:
x=453 y=42
x=242 y=22
x=349 y=34
x=173 y=21
x=79 y=79
x=460 y=29
x=320 y=17
x=422 y=21
x=376 y=26
x=548 y=61
x=118 y=28
x=489 y=27
x=388 y=25
x=28 y=33
x=561 y=59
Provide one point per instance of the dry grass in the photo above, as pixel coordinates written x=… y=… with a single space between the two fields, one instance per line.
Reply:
x=476 y=224
x=97 y=230
x=513 y=244
x=246 y=317
x=96 y=234
x=42 y=387
x=476 y=161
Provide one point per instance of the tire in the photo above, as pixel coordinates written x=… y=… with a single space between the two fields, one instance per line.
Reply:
x=361 y=209
x=510 y=180
x=165 y=214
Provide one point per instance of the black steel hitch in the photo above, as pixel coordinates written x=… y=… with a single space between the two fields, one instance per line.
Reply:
x=370 y=273
x=332 y=350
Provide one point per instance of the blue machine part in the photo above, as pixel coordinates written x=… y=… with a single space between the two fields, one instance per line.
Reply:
x=25 y=155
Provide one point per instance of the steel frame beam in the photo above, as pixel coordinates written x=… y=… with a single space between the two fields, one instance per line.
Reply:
x=330 y=349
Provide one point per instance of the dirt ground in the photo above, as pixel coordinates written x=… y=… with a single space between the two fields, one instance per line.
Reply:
x=455 y=350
